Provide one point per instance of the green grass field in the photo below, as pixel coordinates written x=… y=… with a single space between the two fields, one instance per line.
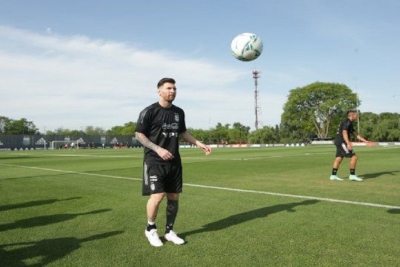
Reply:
x=240 y=207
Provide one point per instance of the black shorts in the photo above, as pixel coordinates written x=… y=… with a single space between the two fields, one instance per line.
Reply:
x=342 y=151
x=161 y=178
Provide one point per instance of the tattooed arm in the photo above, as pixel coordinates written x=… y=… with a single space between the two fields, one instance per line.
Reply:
x=146 y=142
x=163 y=153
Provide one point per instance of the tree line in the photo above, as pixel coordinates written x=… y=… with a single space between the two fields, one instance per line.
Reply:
x=311 y=112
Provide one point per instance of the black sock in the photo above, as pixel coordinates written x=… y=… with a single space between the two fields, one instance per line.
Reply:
x=151 y=226
x=352 y=171
x=172 y=211
x=168 y=228
x=334 y=171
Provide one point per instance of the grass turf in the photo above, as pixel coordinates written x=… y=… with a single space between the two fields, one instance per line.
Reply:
x=240 y=207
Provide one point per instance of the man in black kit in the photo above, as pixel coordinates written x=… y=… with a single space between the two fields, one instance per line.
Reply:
x=158 y=129
x=344 y=147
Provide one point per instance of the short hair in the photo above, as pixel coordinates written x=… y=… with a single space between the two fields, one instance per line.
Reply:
x=165 y=80
x=351 y=111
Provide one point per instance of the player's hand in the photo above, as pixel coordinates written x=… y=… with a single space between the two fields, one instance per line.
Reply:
x=206 y=149
x=164 y=154
x=349 y=147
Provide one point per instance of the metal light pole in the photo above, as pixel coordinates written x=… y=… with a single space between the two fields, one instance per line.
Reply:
x=399 y=115
x=358 y=111
x=257 y=109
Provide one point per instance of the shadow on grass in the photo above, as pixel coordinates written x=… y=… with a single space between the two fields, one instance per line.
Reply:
x=19 y=157
x=394 y=211
x=37 y=176
x=248 y=216
x=45 y=220
x=378 y=174
x=46 y=250
x=34 y=203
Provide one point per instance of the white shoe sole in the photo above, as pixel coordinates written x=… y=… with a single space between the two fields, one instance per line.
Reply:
x=180 y=241
x=356 y=180
x=154 y=243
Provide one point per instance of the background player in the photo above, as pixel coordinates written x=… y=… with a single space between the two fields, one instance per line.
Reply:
x=344 y=147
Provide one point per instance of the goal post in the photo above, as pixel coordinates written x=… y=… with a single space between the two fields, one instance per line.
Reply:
x=61 y=144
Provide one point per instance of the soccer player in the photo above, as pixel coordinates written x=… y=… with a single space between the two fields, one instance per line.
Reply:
x=158 y=129
x=344 y=147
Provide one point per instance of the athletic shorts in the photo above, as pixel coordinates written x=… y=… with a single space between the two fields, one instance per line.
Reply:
x=342 y=151
x=161 y=178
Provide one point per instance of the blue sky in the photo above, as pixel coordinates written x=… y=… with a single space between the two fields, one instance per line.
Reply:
x=72 y=64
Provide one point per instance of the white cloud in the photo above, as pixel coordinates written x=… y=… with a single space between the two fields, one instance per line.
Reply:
x=75 y=81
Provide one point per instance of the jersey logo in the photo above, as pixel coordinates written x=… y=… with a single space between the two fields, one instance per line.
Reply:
x=176 y=117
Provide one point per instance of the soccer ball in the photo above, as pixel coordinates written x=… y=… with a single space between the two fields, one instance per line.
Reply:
x=246 y=46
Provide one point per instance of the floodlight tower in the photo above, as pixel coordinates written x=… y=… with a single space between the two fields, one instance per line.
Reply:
x=256 y=92
x=358 y=112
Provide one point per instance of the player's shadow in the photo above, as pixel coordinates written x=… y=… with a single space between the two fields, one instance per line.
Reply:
x=30 y=204
x=378 y=174
x=47 y=250
x=45 y=220
x=248 y=216
x=394 y=211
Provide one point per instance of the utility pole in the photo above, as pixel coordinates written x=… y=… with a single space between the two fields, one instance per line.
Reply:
x=256 y=93
x=358 y=112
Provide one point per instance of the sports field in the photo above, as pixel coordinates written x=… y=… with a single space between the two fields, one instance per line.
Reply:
x=240 y=207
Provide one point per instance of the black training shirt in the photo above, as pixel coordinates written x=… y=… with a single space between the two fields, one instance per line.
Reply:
x=347 y=124
x=162 y=126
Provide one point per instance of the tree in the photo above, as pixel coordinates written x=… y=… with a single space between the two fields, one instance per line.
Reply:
x=4 y=121
x=66 y=132
x=313 y=108
x=387 y=128
x=21 y=126
x=219 y=133
x=238 y=134
x=127 y=129
x=91 y=130
x=265 y=135
x=200 y=134
x=116 y=130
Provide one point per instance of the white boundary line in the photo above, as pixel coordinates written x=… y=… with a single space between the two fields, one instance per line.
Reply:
x=297 y=196
x=217 y=188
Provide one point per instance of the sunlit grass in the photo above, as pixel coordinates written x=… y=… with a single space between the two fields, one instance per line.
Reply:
x=84 y=208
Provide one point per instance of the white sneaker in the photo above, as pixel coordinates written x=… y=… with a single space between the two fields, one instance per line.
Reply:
x=335 y=178
x=171 y=236
x=153 y=238
x=355 y=178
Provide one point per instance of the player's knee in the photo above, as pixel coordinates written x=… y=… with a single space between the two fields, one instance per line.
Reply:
x=172 y=206
x=157 y=198
x=173 y=196
x=338 y=160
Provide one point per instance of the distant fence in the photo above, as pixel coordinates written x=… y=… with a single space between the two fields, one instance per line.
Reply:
x=36 y=142
x=33 y=142
x=359 y=143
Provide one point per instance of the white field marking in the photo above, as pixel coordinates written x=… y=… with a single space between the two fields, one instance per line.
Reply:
x=256 y=158
x=306 y=154
x=97 y=156
x=218 y=188
x=72 y=172
x=297 y=196
x=83 y=155
x=281 y=156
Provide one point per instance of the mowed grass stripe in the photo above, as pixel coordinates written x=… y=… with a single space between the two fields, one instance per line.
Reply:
x=216 y=187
